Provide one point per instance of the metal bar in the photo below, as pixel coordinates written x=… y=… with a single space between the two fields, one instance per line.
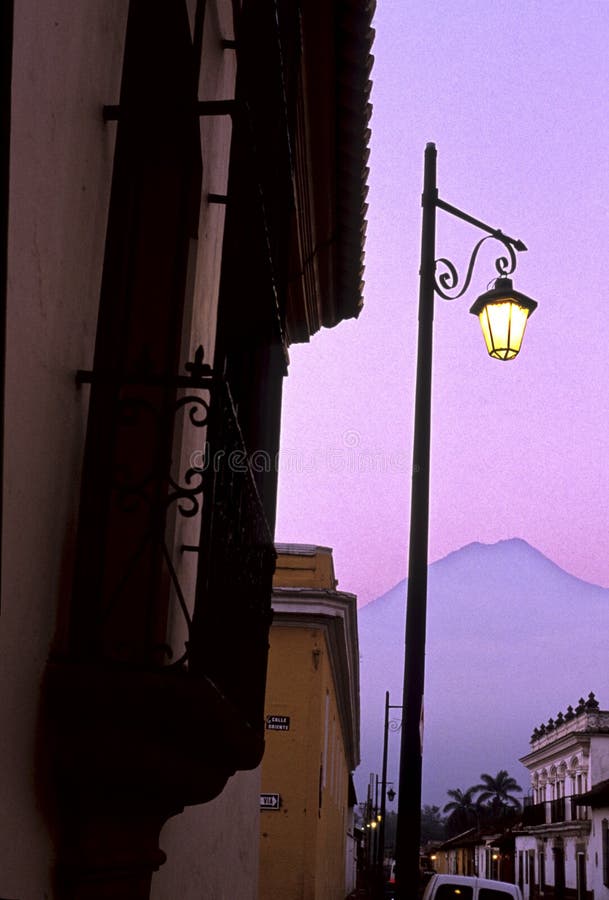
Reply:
x=84 y=376
x=409 y=798
x=112 y=112
x=228 y=44
x=217 y=198
x=265 y=222
x=496 y=232
x=284 y=100
x=217 y=107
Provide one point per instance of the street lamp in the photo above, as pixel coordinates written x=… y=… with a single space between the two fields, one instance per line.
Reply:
x=394 y=725
x=503 y=314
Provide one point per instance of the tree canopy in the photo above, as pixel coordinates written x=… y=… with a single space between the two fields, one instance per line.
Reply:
x=482 y=803
x=496 y=792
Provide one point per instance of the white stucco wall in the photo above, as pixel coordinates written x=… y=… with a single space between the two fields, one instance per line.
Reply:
x=212 y=849
x=599 y=759
x=67 y=63
x=595 y=855
x=523 y=846
x=571 y=846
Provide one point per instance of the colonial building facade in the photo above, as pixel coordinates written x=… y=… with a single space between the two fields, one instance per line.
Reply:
x=307 y=845
x=559 y=846
x=183 y=196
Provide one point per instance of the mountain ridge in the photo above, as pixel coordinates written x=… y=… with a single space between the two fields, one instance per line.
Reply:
x=513 y=541
x=511 y=638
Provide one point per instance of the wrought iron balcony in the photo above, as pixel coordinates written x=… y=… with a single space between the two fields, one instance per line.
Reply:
x=551 y=812
x=534 y=814
x=209 y=497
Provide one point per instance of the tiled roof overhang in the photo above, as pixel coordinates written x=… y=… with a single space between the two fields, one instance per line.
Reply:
x=353 y=117
x=333 y=134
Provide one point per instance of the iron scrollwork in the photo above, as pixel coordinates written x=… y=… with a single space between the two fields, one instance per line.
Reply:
x=446 y=283
x=189 y=487
x=154 y=491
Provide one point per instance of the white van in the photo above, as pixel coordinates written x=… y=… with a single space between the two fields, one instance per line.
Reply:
x=468 y=887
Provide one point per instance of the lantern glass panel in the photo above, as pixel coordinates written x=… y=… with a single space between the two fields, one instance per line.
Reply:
x=503 y=327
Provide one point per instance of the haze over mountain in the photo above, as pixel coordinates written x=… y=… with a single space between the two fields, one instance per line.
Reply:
x=512 y=639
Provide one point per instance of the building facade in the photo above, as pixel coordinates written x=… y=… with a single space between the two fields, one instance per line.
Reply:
x=487 y=853
x=307 y=846
x=183 y=196
x=559 y=847
x=597 y=800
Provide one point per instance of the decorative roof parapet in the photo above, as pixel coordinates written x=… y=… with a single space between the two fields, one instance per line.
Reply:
x=585 y=717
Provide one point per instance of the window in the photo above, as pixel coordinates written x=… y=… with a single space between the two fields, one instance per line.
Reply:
x=559 y=873
x=493 y=894
x=581 y=876
x=531 y=872
x=605 y=837
x=542 y=871
x=458 y=892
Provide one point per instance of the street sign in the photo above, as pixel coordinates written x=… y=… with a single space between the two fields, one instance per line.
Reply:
x=278 y=723
x=270 y=801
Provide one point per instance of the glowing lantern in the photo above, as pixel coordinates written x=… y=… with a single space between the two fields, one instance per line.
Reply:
x=503 y=314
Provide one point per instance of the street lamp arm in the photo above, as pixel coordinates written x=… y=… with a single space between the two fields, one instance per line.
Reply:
x=449 y=280
x=447 y=283
x=494 y=232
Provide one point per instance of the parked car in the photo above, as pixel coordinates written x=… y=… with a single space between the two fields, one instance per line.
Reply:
x=468 y=887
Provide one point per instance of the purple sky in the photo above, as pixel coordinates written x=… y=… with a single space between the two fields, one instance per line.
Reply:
x=516 y=97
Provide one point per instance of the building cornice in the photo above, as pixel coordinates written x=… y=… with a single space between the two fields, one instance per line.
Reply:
x=561 y=746
x=579 y=828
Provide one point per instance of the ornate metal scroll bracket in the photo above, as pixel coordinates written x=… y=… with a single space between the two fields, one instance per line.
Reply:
x=447 y=283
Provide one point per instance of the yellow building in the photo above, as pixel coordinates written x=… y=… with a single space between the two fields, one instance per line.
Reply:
x=312 y=732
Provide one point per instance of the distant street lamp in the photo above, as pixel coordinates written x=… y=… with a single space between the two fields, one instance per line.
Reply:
x=394 y=725
x=503 y=314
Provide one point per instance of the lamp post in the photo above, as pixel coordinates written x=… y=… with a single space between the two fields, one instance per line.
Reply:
x=394 y=725
x=503 y=314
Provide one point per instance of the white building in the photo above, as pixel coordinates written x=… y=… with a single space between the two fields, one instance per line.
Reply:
x=559 y=848
x=598 y=846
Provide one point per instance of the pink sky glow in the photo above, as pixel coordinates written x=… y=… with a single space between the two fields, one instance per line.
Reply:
x=516 y=97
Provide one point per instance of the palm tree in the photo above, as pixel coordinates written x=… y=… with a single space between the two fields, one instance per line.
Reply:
x=462 y=809
x=495 y=792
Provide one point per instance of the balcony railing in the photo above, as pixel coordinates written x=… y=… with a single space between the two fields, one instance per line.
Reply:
x=550 y=812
